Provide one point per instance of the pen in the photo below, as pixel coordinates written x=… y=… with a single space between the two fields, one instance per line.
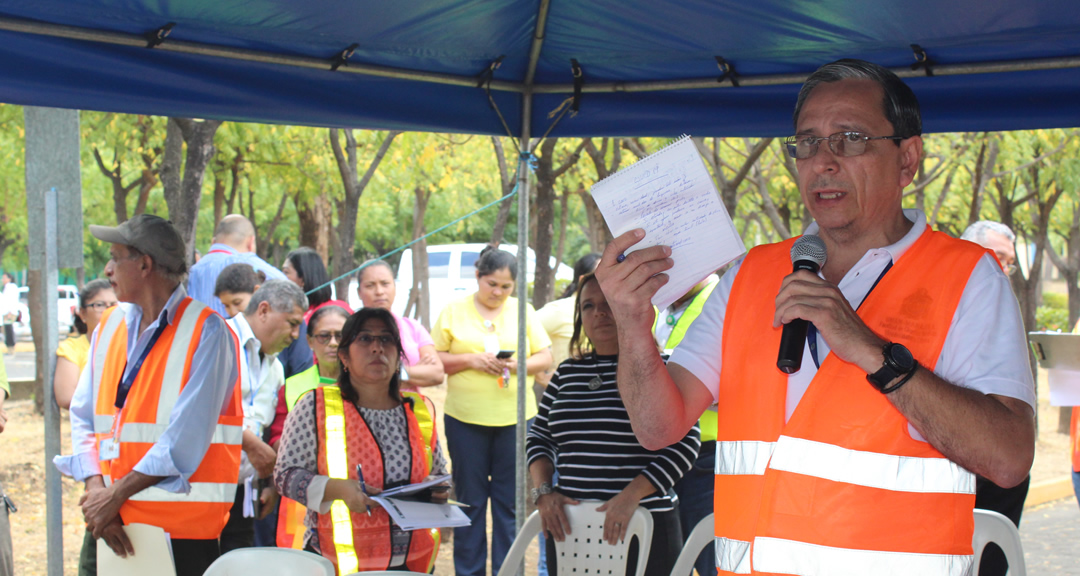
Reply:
x=363 y=487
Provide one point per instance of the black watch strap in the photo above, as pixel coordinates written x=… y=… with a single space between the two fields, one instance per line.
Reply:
x=897 y=362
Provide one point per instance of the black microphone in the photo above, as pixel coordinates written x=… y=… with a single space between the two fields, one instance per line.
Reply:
x=808 y=253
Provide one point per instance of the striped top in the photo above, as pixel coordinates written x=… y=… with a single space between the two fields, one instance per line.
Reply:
x=587 y=434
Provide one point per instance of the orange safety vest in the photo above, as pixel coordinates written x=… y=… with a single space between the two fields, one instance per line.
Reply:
x=201 y=514
x=841 y=487
x=358 y=542
x=1074 y=438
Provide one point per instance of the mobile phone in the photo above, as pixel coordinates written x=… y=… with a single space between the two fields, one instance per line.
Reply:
x=504 y=354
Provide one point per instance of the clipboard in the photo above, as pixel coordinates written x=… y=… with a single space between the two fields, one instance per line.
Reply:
x=1059 y=354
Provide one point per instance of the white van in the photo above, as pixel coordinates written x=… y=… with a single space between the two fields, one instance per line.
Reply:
x=451 y=274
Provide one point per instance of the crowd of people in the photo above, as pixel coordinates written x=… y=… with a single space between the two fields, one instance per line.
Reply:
x=235 y=404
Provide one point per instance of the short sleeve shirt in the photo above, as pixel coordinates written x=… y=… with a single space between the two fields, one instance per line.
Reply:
x=75 y=349
x=985 y=349
x=473 y=396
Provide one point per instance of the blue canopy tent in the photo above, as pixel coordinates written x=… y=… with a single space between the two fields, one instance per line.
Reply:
x=656 y=68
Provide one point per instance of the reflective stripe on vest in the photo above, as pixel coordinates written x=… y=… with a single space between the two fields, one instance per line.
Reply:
x=871 y=469
x=201 y=513
x=811 y=495
x=425 y=419
x=338 y=467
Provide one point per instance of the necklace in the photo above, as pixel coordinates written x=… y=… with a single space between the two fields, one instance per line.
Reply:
x=595 y=383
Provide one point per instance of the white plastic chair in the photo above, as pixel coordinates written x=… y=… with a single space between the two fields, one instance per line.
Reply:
x=584 y=552
x=701 y=536
x=993 y=527
x=271 y=562
x=389 y=573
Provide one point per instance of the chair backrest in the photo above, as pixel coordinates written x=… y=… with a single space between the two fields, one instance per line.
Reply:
x=584 y=552
x=270 y=562
x=704 y=534
x=993 y=527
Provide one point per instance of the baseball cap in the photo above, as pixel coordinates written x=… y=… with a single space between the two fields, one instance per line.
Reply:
x=151 y=235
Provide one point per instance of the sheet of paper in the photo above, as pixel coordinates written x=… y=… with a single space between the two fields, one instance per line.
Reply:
x=153 y=554
x=414 y=488
x=412 y=515
x=1059 y=354
x=672 y=197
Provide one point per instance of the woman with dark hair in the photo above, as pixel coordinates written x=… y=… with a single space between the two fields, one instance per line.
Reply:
x=557 y=317
x=305 y=268
x=476 y=338
x=362 y=425
x=96 y=297
x=377 y=289
x=583 y=431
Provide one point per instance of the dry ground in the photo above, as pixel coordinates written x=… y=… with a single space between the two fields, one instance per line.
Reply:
x=22 y=463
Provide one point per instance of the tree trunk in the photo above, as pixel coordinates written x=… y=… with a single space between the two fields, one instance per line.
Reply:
x=507 y=178
x=348 y=207
x=547 y=172
x=315 y=217
x=420 y=288
x=183 y=196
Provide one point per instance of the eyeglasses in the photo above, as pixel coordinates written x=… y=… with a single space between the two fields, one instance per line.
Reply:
x=368 y=339
x=324 y=338
x=100 y=306
x=803 y=146
x=1010 y=269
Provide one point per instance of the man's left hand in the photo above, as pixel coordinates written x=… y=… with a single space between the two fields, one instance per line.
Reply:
x=805 y=295
x=263 y=458
x=100 y=509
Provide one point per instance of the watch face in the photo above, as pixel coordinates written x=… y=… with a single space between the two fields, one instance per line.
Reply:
x=902 y=356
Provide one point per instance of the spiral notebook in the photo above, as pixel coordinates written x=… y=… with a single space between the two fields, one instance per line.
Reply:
x=672 y=197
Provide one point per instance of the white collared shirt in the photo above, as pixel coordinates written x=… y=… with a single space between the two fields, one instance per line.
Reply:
x=985 y=349
x=260 y=379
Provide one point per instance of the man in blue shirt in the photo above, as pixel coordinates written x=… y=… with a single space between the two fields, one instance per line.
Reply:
x=233 y=241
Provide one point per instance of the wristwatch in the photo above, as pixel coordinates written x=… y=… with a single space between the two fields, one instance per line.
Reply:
x=536 y=493
x=898 y=362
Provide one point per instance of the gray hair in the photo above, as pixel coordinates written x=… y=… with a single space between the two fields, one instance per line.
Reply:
x=282 y=295
x=173 y=276
x=977 y=231
x=900 y=105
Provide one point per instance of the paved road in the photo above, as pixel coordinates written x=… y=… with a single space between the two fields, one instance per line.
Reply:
x=20 y=365
x=1051 y=538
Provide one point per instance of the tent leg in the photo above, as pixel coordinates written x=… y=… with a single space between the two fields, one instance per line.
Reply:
x=523 y=297
x=45 y=241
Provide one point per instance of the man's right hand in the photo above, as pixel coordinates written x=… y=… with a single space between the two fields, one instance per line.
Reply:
x=630 y=285
x=117 y=539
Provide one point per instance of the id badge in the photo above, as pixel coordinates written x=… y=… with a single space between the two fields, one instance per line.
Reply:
x=108 y=450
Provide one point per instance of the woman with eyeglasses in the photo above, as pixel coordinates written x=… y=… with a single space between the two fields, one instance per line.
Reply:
x=324 y=336
x=96 y=297
x=376 y=287
x=362 y=425
x=477 y=340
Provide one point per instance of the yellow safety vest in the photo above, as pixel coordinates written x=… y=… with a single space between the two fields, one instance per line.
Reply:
x=708 y=419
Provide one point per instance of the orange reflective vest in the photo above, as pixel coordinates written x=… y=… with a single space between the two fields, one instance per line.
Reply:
x=201 y=514
x=1074 y=438
x=841 y=487
x=358 y=542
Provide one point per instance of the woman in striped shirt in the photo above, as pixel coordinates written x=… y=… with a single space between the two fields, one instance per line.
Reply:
x=583 y=429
